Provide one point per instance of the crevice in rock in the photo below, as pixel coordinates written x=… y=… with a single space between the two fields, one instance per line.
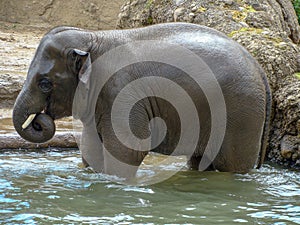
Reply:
x=47 y=7
x=291 y=22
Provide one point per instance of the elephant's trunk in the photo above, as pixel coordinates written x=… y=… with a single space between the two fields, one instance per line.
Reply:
x=34 y=128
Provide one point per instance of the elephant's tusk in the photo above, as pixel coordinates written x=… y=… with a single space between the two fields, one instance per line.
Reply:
x=28 y=121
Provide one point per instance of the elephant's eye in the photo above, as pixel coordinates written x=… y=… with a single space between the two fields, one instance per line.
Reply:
x=45 y=85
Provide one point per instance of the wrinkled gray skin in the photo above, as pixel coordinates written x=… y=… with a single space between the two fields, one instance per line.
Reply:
x=53 y=77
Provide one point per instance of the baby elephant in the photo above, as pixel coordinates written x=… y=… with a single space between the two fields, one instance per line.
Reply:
x=175 y=89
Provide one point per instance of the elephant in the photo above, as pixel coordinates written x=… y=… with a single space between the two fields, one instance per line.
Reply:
x=65 y=53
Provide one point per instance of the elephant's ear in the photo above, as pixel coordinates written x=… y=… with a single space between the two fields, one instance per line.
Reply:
x=82 y=65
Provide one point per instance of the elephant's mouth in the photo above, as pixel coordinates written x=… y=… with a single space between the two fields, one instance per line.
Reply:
x=29 y=120
x=38 y=128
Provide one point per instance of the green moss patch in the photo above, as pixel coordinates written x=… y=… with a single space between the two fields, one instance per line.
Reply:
x=246 y=29
x=297 y=75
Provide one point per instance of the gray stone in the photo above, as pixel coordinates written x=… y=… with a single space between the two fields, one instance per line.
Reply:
x=178 y=12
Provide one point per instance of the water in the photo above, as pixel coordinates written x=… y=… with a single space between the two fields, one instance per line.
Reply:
x=49 y=187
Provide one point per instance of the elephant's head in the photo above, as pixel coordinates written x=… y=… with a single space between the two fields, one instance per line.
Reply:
x=51 y=82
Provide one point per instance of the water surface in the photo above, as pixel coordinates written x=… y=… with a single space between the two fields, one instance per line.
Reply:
x=49 y=187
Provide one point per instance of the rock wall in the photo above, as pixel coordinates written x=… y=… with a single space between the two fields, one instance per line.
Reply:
x=268 y=29
x=94 y=14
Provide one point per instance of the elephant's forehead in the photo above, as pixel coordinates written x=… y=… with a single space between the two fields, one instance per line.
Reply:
x=40 y=67
x=46 y=52
x=41 y=64
x=45 y=66
x=48 y=46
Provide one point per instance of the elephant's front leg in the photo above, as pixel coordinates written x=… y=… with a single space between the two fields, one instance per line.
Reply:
x=124 y=150
x=123 y=162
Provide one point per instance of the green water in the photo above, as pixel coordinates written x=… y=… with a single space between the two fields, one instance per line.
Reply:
x=50 y=188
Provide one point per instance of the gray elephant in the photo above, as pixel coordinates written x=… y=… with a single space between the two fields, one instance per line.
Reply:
x=65 y=54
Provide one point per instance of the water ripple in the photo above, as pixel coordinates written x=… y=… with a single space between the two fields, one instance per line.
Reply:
x=49 y=188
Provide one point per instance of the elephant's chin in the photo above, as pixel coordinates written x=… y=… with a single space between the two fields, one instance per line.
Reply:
x=40 y=129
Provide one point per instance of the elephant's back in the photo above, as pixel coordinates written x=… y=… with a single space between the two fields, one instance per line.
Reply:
x=168 y=30
x=233 y=66
x=212 y=46
x=192 y=36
